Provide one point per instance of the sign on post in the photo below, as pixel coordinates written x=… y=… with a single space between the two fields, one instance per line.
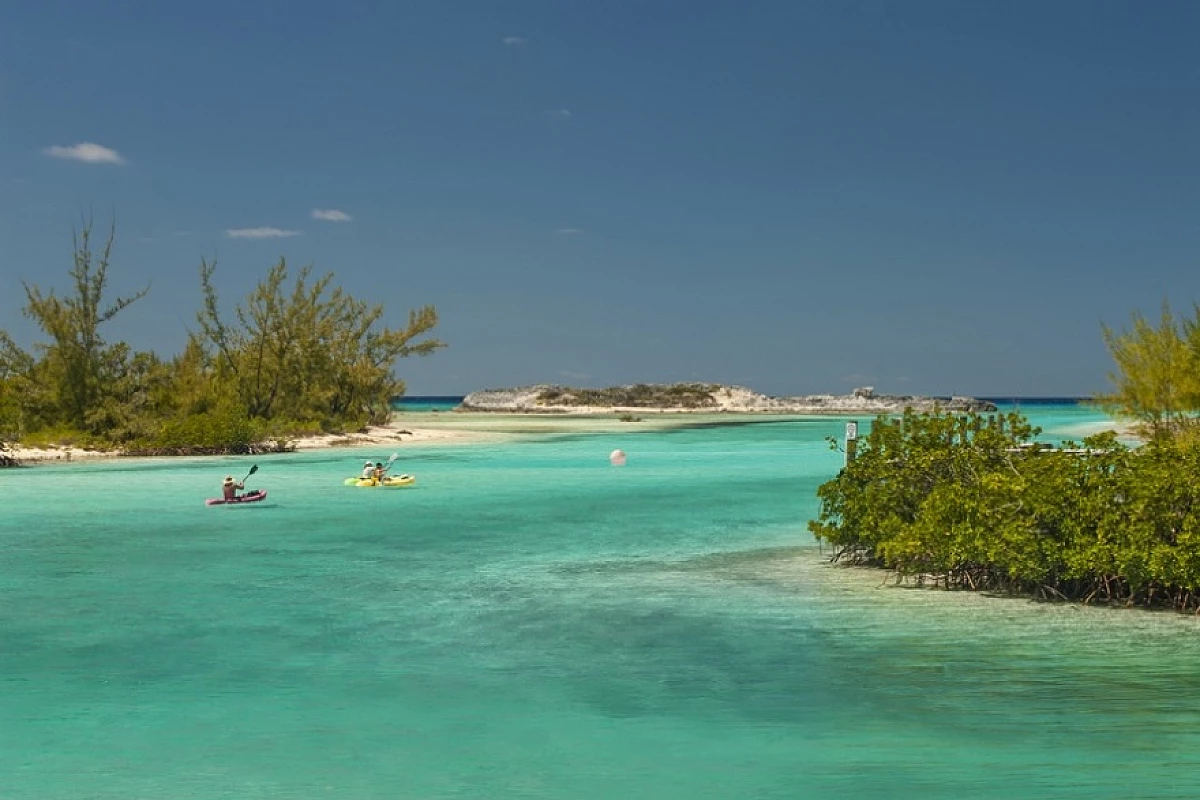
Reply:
x=851 y=440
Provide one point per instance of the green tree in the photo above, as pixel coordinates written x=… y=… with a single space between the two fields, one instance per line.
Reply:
x=15 y=389
x=78 y=366
x=975 y=503
x=1157 y=377
x=311 y=353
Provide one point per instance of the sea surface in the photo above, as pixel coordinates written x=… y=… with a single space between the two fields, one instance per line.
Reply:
x=528 y=621
x=427 y=403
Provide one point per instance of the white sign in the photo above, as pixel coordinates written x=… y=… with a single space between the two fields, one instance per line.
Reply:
x=851 y=431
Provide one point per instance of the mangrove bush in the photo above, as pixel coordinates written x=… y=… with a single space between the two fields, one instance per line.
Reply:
x=974 y=502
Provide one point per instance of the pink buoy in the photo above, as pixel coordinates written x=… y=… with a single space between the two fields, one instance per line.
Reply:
x=617 y=458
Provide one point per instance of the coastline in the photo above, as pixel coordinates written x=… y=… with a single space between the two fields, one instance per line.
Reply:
x=393 y=433
x=462 y=429
x=440 y=428
x=25 y=456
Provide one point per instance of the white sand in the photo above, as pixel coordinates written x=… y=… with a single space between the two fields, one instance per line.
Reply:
x=432 y=428
x=27 y=455
x=392 y=434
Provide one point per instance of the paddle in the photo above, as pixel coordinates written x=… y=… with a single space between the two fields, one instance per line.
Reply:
x=253 y=470
x=389 y=464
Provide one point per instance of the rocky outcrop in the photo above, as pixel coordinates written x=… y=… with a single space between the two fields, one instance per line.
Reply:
x=7 y=459
x=702 y=397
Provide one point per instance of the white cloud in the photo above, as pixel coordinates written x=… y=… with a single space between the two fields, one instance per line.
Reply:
x=259 y=233
x=331 y=215
x=87 y=152
x=513 y=41
x=560 y=113
x=569 y=231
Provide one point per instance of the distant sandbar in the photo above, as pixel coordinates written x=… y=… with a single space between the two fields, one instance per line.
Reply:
x=703 y=398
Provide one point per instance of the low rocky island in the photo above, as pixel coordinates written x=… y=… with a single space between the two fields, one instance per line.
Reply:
x=702 y=398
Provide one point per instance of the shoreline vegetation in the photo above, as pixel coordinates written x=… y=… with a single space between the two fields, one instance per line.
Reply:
x=972 y=502
x=493 y=414
x=296 y=358
x=458 y=426
x=390 y=434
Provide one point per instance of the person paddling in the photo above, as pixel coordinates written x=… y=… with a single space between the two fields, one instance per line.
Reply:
x=368 y=473
x=229 y=488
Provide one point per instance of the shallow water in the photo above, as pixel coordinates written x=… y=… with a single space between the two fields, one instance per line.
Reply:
x=528 y=621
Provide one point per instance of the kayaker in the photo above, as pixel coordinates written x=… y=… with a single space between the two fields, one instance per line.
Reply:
x=379 y=471
x=229 y=488
x=368 y=473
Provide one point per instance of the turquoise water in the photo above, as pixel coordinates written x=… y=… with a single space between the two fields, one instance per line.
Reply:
x=529 y=622
x=427 y=403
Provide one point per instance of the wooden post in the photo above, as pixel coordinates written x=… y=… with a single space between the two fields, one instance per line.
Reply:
x=851 y=441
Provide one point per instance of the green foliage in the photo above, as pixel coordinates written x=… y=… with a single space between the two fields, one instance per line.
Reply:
x=15 y=388
x=297 y=359
x=1157 y=381
x=225 y=430
x=971 y=502
x=311 y=354
x=78 y=368
x=641 y=395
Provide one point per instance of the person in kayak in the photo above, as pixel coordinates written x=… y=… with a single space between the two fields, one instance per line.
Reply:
x=378 y=473
x=368 y=473
x=229 y=488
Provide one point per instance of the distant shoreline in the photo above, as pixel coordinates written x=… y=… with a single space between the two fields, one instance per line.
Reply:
x=429 y=424
x=705 y=398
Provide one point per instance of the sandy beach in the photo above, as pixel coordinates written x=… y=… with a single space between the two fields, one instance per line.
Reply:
x=31 y=455
x=391 y=434
x=412 y=428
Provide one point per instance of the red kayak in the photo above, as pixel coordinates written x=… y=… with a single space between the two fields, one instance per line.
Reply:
x=248 y=497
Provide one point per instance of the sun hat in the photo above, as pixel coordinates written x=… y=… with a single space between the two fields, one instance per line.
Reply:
x=368 y=464
x=228 y=479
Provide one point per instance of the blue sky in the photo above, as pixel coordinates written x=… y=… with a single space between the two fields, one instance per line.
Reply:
x=929 y=197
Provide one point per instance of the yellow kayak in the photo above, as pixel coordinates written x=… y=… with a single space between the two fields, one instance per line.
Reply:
x=387 y=483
